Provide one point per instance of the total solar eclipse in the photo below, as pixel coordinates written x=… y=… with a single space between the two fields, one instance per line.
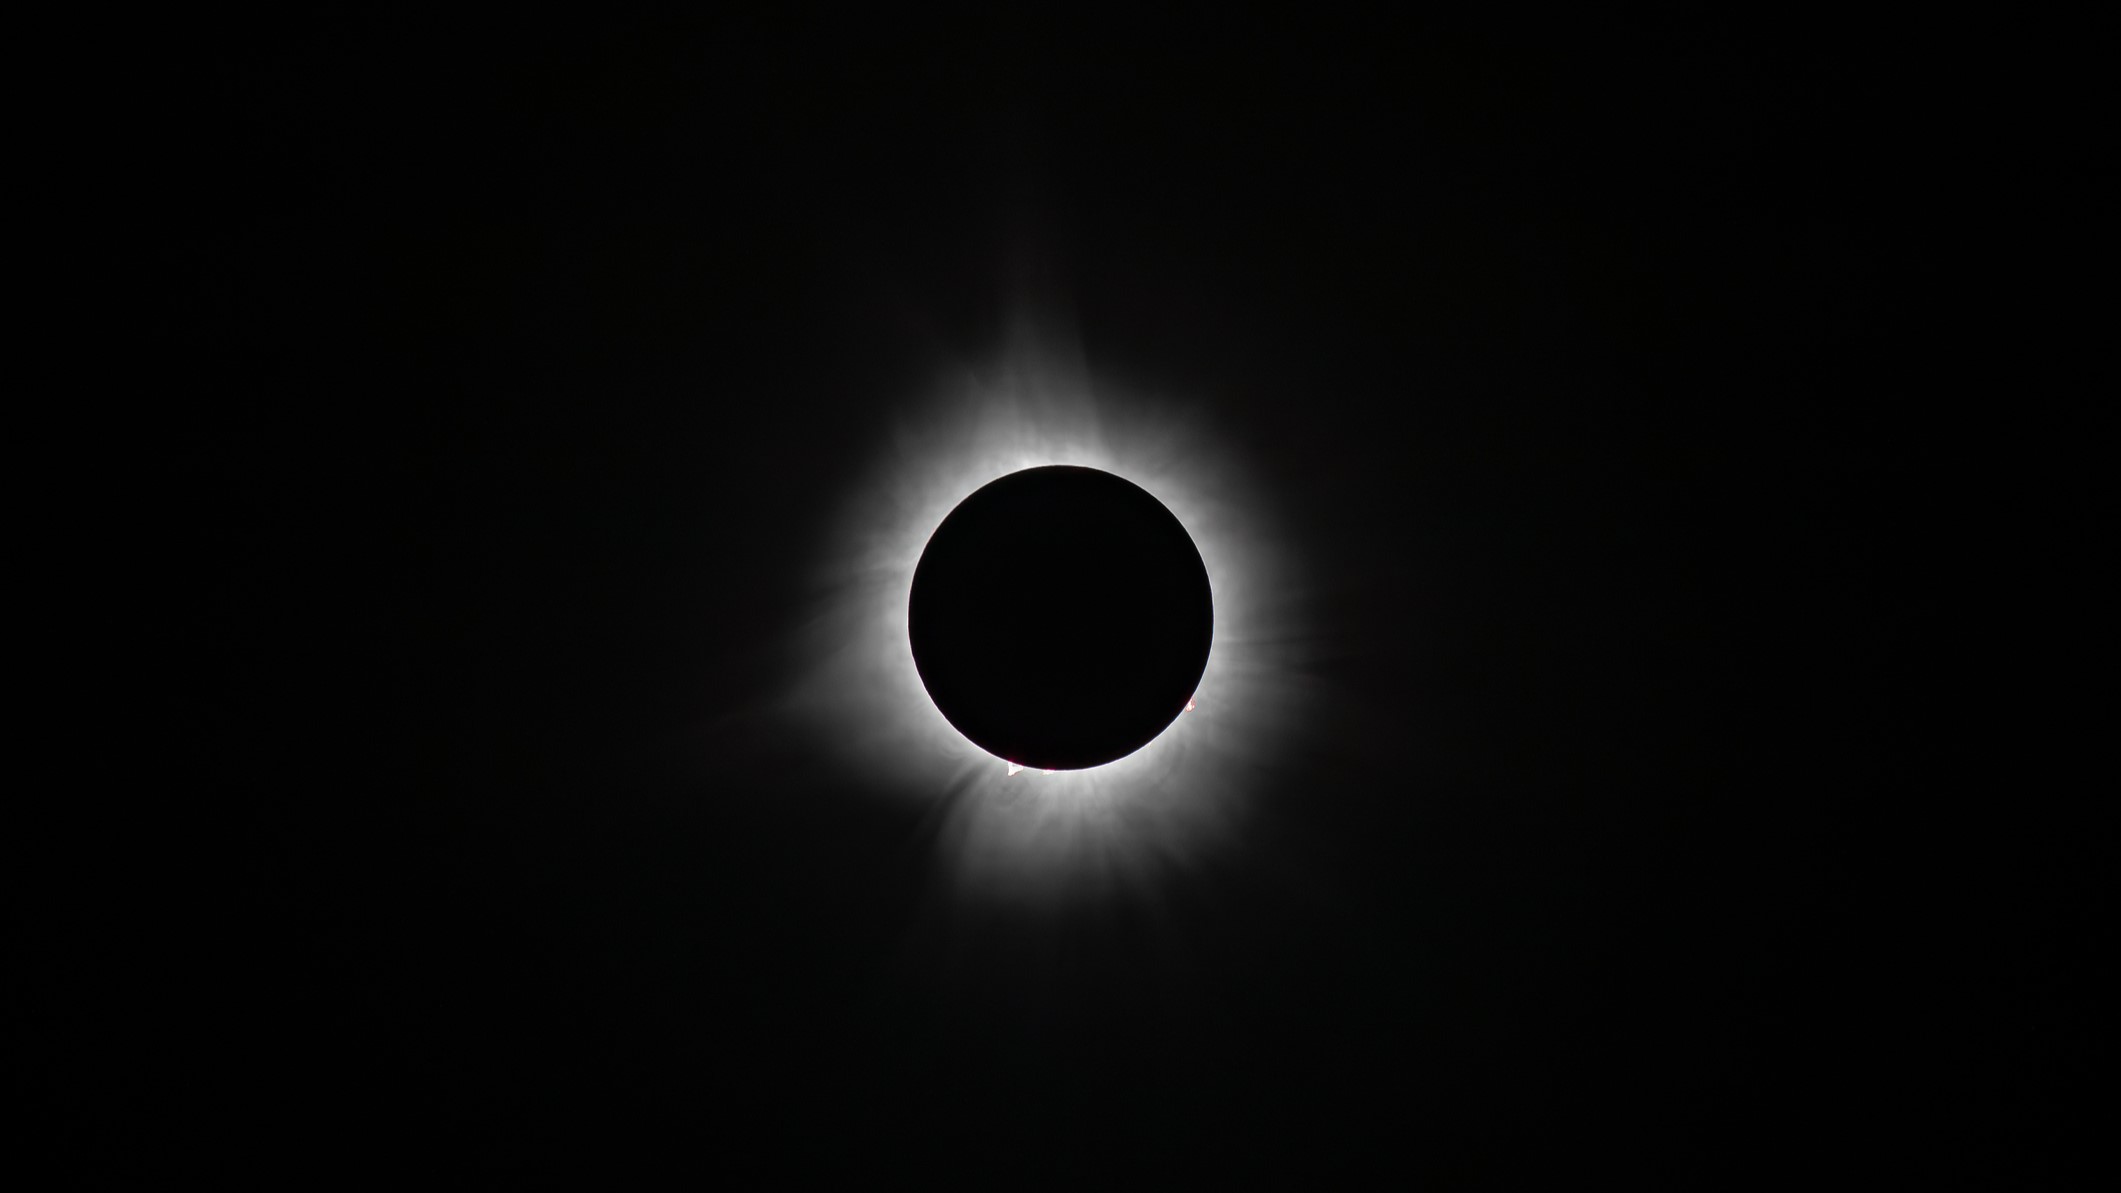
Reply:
x=1060 y=617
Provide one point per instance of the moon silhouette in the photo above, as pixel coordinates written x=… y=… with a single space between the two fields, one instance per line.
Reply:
x=1061 y=617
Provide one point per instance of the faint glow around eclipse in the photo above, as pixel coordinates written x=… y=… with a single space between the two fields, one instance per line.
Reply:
x=1074 y=835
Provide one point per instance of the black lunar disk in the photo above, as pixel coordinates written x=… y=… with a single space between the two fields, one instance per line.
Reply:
x=1061 y=617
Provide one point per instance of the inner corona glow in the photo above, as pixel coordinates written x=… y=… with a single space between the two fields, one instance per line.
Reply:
x=1072 y=834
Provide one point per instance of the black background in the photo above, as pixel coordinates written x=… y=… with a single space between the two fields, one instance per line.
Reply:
x=497 y=387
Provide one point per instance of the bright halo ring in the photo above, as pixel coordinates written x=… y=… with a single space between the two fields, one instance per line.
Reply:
x=1068 y=836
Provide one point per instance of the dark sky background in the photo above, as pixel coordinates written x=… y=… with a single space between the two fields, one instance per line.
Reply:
x=506 y=380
